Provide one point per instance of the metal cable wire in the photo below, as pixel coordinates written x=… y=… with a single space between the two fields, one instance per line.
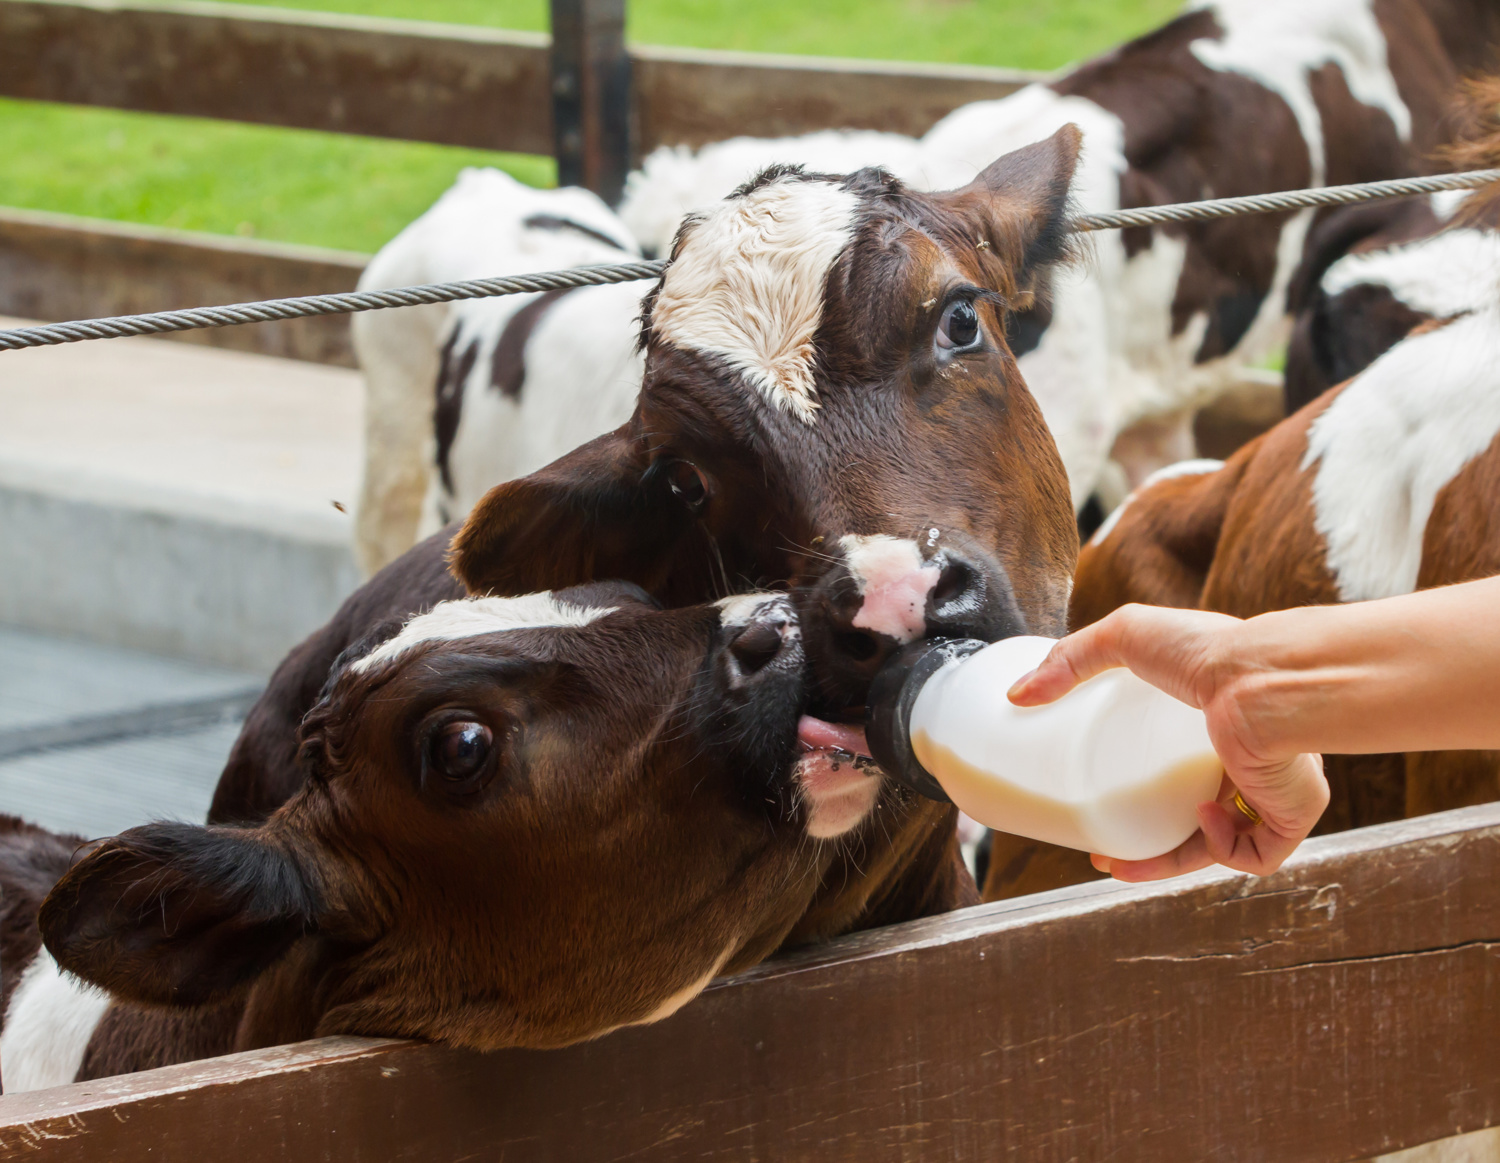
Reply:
x=1285 y=200
x=273 y=309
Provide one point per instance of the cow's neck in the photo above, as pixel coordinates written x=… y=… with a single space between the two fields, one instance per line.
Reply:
x=284 y=1006
x=919 y=872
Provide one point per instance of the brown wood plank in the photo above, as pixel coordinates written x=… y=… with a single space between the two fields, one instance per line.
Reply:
x=691 y=96
x=1340 y=1008
x=54 y=267
x=451 y=84
x=426 y=82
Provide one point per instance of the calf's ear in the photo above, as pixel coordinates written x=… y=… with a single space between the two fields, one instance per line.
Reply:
x=178 y=914
x=1025 y=203
x=595 y=513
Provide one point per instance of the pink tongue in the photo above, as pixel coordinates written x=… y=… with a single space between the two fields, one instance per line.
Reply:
x=816 y=735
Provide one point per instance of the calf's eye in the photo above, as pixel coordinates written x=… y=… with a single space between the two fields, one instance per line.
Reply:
x=687 y=484
x=959 y=326
x=460 y=752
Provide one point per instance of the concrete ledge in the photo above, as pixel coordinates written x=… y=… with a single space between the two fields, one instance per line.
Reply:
x=176 y=499
x=172 y=584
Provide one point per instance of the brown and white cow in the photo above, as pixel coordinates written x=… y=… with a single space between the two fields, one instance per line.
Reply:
x=527 y=821
x=1385 y=485
x=829 y=404
x=1233 y=97
x=1377 y=272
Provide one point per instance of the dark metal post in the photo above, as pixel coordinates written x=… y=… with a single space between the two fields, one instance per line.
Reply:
x=591 y=106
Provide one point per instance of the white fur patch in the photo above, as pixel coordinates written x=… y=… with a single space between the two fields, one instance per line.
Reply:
x=52 y=1016
x=894 y=580
x=837 y=794
x=1390 y=442
x=742 y=609
x=1183 y=468
x=748 y=283
x=468 y=617
x=675 y=180
x=1280 y=44
x=1451 y=272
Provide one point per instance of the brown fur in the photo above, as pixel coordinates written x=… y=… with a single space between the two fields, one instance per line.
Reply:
x=639 y=828
x=1256 y=515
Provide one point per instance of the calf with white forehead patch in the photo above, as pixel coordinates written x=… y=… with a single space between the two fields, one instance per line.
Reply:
x=527 y=821
x=829 y=401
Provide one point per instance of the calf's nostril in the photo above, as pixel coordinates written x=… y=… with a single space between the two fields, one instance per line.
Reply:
x=857 y=646
x=957 y=581
x=757 y=645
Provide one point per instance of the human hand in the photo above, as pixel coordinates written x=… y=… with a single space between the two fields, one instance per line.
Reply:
x=1193 y=656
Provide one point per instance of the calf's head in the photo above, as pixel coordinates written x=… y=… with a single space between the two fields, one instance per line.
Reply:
x=527 y=821
x=830 y=403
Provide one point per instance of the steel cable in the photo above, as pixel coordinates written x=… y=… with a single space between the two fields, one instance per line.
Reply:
x=194 y=318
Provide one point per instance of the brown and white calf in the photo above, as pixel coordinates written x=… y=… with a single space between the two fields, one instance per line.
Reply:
x=1412 y=262
x=1385 y=485
x=1233 y=97
x=527 y=821
x=829 y=404
x=461 y=396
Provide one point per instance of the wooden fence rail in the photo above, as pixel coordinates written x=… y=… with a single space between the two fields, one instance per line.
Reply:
x=1338 y=1009
x=457 y=85
x=55 y=266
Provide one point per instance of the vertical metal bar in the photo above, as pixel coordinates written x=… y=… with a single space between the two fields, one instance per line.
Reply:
x=591 y=106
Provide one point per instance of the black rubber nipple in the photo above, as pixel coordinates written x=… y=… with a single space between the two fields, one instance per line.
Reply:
x=893 y=693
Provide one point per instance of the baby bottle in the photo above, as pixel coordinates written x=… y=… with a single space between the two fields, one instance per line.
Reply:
x=1115 y=766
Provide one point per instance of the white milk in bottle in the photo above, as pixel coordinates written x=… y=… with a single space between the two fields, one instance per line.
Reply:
x=1115 y=766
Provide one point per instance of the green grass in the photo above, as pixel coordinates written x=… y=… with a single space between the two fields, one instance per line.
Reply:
x=355 y=193
x=325 y=189
x=1023 y=34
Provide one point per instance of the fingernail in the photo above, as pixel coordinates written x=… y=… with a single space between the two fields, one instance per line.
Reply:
x=1100 y=863
x=1018 y=688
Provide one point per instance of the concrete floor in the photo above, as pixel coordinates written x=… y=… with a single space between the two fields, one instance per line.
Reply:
x=167 y=496
x=94 y=740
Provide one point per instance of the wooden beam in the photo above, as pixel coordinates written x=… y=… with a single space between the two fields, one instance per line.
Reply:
x=591 y=111
x=55 y=267
x=692 y=96
x=426 y=82
x=1338 y=1009
x=451 y=84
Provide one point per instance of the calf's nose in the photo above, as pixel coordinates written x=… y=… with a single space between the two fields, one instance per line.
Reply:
x=885 y=593
x=757 y=645
x=768 y=634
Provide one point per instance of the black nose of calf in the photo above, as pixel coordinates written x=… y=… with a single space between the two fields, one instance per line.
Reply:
x=766 y=637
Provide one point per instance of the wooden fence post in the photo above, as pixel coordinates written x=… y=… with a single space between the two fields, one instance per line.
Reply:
x=591 y=104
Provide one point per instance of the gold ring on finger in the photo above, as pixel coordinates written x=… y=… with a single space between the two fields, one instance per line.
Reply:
x=1246 y=810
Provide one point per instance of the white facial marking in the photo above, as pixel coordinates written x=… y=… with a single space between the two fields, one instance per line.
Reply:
x=675 y=180
x=1183 y=468
x=748 y=283
x=52 y=1016
x=467 y=617
x=894 y=581
x=836 y=792
x=1280 y=45
x=1451 y=272
x=1390 y=442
